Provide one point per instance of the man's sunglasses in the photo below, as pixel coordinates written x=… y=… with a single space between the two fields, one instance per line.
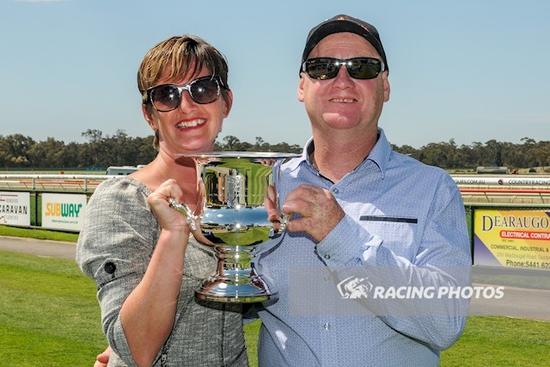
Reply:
x=167 y=97
x=323 y=68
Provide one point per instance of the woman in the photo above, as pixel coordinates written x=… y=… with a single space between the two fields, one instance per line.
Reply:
x=138 y=249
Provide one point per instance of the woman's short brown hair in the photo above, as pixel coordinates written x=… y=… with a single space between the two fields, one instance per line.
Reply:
x=174 y=57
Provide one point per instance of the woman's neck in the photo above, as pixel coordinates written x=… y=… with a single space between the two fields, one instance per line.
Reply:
x=164 y=167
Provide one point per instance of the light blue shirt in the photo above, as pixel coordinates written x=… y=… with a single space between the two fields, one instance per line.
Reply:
x=401 y=215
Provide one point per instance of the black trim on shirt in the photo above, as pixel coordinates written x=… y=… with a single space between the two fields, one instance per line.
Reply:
x=379 y=218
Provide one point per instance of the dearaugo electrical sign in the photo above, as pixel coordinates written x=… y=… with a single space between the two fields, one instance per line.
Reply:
x=15 y=208
x=512 y=238
x=63 y=211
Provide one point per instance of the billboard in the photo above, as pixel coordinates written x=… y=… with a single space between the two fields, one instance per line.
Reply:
x=63 y=211
x=15 y=208
x=512 y=238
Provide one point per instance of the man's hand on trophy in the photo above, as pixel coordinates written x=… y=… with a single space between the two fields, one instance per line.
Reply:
x=317 y=211
x=273 y=213
x=167 y=217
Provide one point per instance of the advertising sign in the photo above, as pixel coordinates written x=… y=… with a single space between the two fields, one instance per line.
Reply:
x=15 y=208
x=512 y=238
x=63 y=211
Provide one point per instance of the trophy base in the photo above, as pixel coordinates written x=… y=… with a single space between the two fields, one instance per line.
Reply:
x=235 y=288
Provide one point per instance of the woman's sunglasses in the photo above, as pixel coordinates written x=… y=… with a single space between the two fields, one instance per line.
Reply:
x=167 y=97
x=323 y=68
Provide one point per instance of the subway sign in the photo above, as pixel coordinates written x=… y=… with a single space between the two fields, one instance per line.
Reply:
x=63 y=211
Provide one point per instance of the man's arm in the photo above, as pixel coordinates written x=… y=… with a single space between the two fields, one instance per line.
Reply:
x=442 y=260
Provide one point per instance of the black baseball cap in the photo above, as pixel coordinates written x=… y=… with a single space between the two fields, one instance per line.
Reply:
x=344 y=23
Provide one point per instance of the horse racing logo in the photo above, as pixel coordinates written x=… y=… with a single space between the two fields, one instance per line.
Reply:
x=354 y=288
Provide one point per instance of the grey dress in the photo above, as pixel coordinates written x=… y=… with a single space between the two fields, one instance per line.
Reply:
x=115 y=246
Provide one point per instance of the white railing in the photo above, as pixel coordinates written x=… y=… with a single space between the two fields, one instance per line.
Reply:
x=474 y=188
x=49 y=182
x=503 y=180
x=504 y=189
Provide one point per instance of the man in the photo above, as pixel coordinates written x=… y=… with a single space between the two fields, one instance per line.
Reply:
x=359 y=208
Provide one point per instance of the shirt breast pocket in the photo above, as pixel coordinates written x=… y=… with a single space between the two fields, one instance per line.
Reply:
x=398 y=233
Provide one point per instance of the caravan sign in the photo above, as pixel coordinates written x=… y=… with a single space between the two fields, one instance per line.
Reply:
x=15 y=208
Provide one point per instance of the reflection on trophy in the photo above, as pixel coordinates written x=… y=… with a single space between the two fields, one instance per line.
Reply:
x=234 y=222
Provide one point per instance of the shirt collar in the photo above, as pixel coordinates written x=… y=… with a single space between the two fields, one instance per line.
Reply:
x=295 y=162
x=380 y=154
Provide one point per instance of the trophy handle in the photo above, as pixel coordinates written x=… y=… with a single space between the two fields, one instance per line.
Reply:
x=283 y=217
x=284 y=220
x=187 y=213
x=194 y=224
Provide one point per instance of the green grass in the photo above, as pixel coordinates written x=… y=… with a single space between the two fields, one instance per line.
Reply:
x=48 y=313
x=251 y=331
x=40 y=234
x=49 y=317
x=501 y=341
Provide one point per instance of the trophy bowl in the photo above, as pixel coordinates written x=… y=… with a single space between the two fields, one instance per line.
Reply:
x=233 y=221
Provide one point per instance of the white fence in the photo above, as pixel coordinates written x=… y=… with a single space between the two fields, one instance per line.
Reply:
x=58 y=201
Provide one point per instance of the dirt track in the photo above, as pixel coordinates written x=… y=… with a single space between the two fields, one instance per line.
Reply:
x=64 y=250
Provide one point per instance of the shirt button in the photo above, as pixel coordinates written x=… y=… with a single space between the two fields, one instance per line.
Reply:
x=327 y=257
x=109 y=267
x=326 y=326
x=335 y=190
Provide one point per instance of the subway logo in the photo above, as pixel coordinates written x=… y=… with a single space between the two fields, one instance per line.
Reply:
x=64 y=210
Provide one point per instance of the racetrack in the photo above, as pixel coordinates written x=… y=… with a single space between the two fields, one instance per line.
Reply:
x=517 y=302
x=64 y=250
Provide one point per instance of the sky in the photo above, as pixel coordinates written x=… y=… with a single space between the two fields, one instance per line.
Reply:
x=470 y=70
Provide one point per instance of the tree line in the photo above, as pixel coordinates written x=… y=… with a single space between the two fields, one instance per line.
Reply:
x=449 y=155
x=100 y=151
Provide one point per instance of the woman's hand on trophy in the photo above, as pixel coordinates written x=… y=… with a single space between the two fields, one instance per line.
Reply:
x=317 y=209
x=167 y=217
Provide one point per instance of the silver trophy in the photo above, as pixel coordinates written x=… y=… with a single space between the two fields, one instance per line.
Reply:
x=233 y=221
